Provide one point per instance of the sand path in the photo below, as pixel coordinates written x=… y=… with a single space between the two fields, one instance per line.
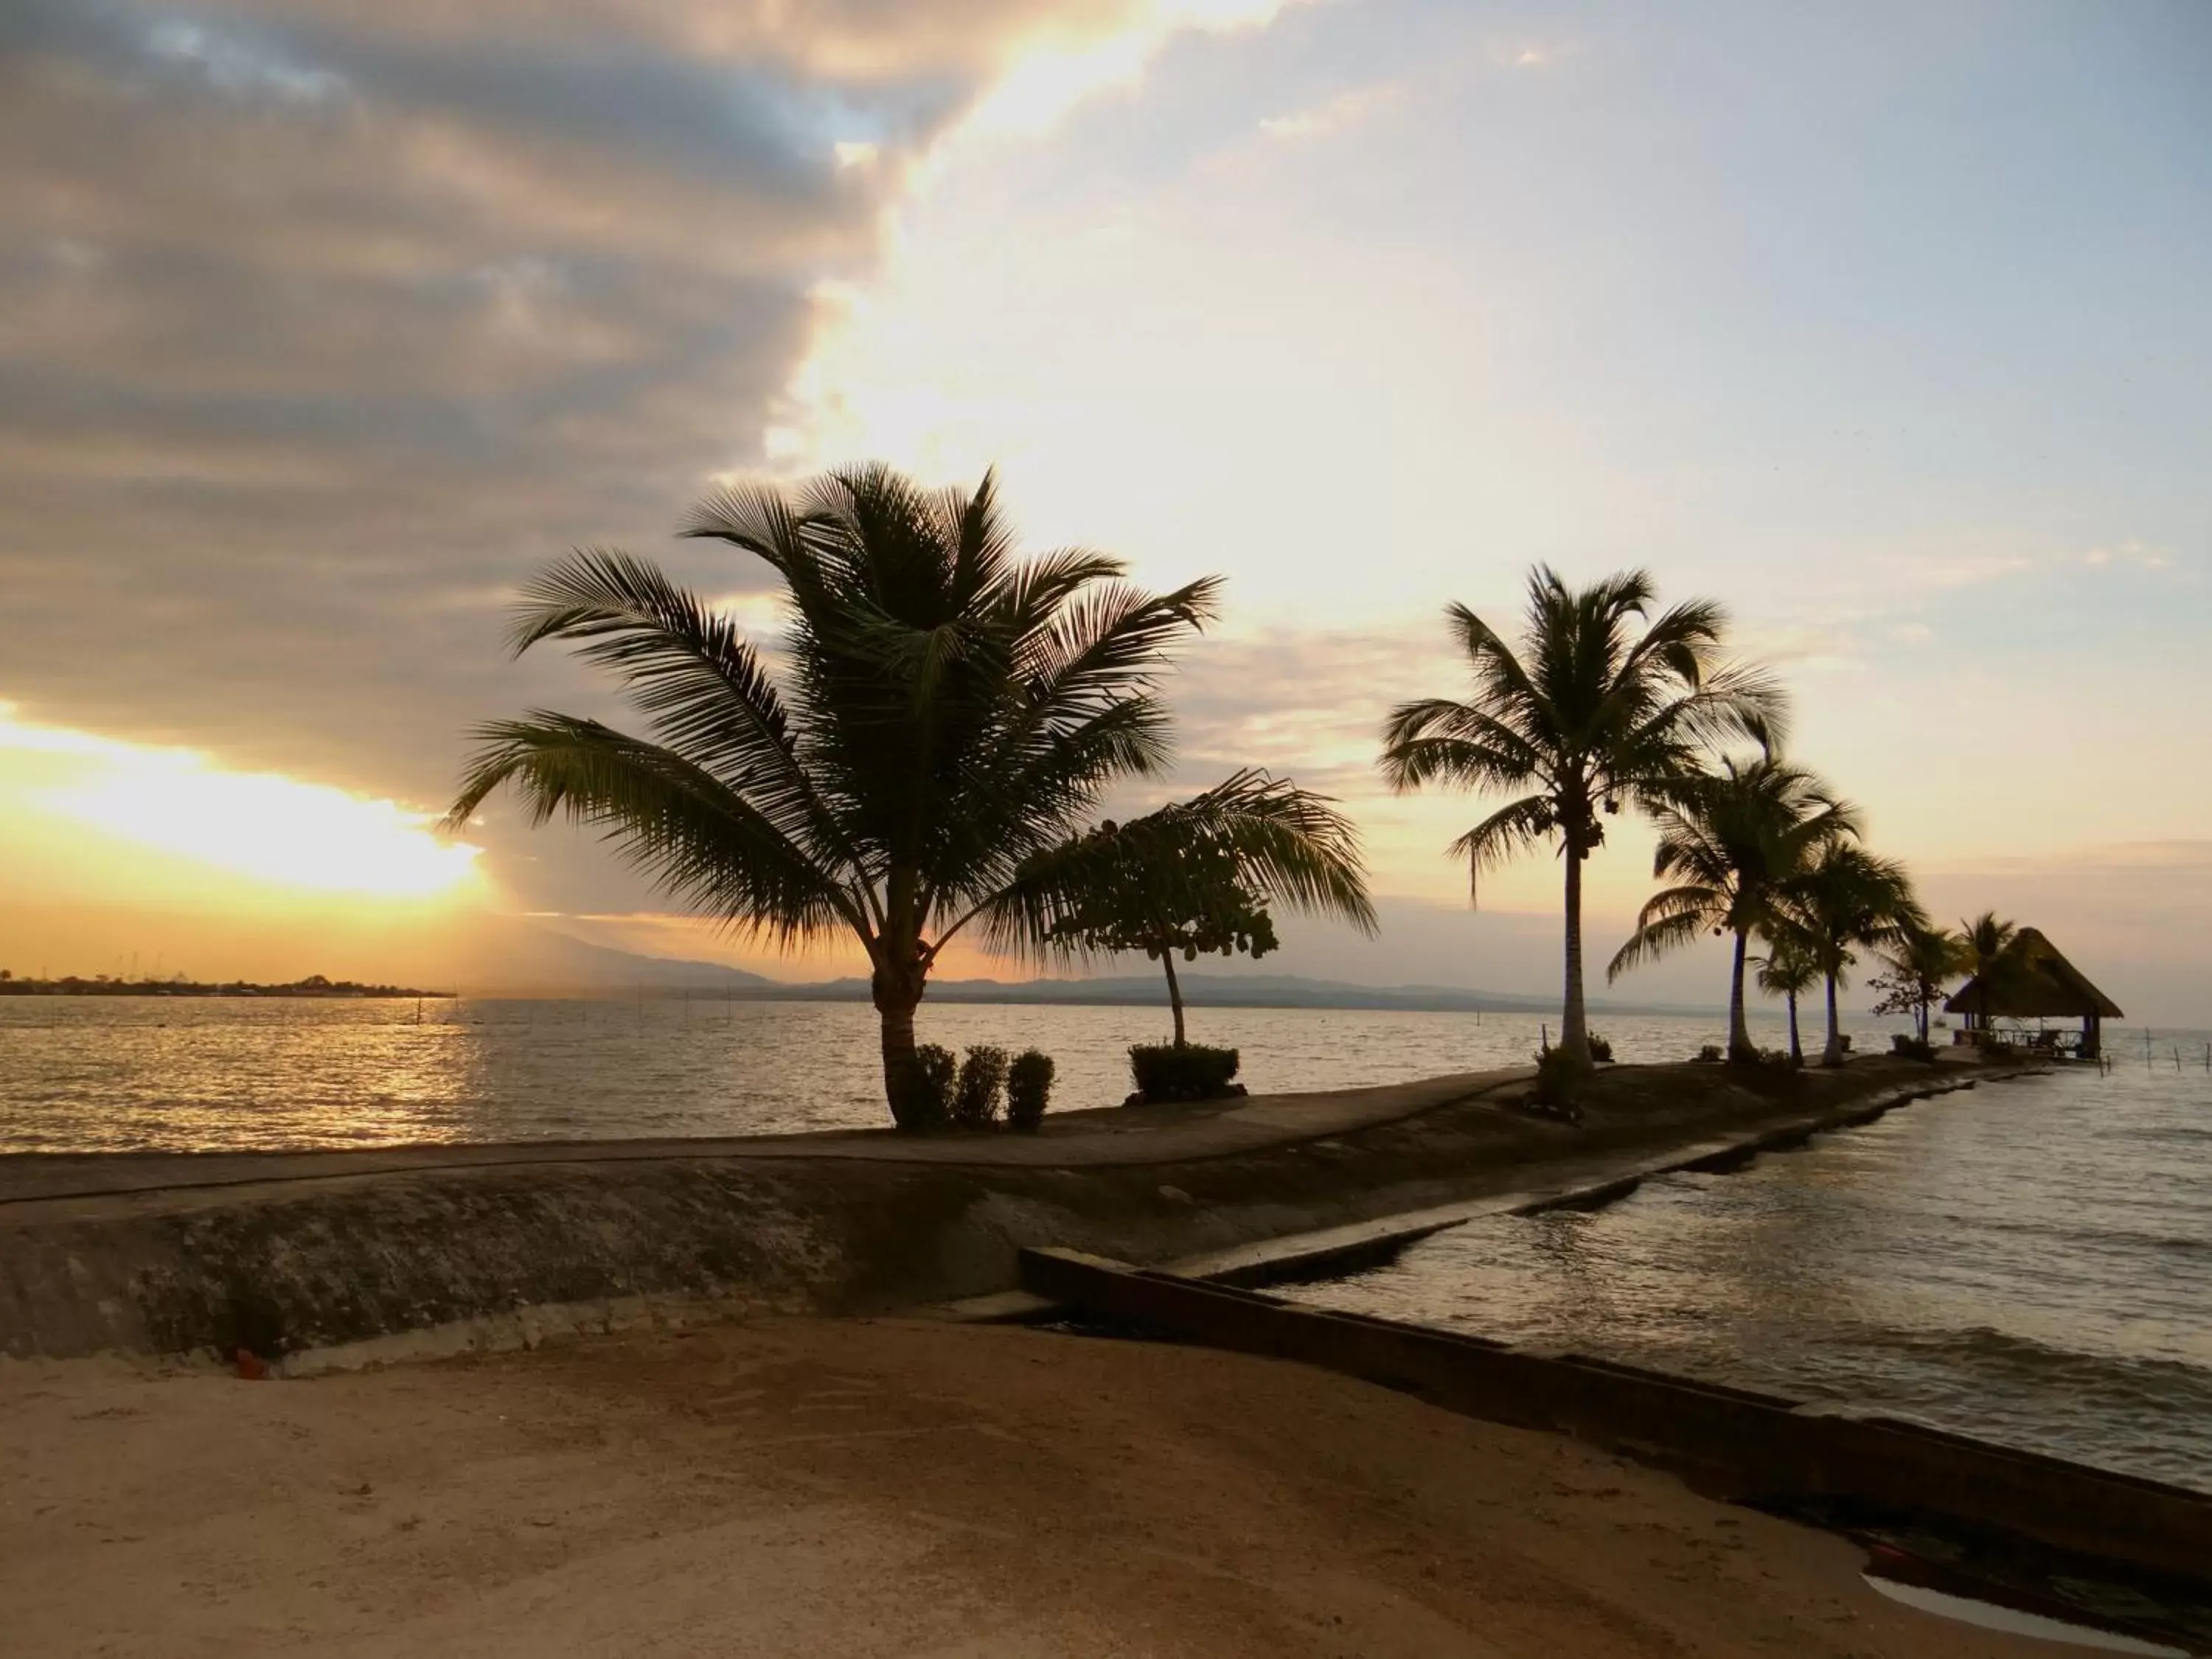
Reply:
x=871 y=1487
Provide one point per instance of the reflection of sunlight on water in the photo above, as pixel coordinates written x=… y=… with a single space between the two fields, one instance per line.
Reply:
x=119 y=1073
x=2027 y=1262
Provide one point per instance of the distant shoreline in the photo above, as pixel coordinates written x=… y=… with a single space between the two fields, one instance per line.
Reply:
x=315 y=986
x=1256 y=991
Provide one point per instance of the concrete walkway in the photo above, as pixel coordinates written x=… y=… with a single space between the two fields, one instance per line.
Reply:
x=1083 y=1140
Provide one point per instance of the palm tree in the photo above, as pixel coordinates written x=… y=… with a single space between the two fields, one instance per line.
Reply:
x=1788 y=970
x=1986 y=952
x=943 y=711
x=1845 y=900
x=1194 y=876
x=1591 y=712
x=1729 y=840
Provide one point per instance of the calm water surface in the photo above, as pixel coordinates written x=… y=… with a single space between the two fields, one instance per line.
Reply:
x=2030 y=1263
x=127 y=1074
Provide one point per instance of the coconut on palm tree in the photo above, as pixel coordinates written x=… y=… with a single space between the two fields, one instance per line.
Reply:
x=1788 y=970
x=1845 y=901
x=1602 y=706
x=1729 y=840
x=942 y=711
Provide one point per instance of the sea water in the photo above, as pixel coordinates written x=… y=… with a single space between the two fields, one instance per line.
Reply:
x=191 y=1074
x=2028 y=1261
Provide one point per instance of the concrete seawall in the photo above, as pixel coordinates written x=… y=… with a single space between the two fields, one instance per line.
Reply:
x=337 y=1255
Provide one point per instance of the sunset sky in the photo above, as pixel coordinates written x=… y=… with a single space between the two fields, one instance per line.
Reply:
x=322 y=325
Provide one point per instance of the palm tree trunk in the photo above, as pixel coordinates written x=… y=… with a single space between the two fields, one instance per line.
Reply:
x=1833 y=1054
x=1574 y=1022
x=896 y=995
x=1175 y=995
x=1740 y=1047
x=1796 y=1048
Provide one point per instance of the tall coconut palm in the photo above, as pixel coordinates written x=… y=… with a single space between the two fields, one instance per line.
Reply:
x=1729 y=840
x=1788 y=970
x=1986 y=952
x=943 y=710
x=1593 y=711
x=1845 y=901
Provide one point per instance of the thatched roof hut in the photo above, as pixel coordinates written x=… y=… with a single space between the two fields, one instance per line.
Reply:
x=2032 y=981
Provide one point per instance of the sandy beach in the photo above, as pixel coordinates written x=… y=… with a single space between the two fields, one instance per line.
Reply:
x=871 y=1487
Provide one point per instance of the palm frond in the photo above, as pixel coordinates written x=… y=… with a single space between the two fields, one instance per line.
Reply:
x=1287 y=845
x=1657 y=933
x=1502 y=837
x=676 y=822
x=693 y=674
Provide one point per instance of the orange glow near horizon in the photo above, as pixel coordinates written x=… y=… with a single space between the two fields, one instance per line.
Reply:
x=281 y=834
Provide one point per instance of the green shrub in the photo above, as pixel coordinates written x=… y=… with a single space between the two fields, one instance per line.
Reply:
x=1029 y=1087
x=1557 y=1081
x=1709 y=1055
x=975 y=1096
x=937 y=1069
x=1193 y=1072
x=1904 y=1044
x=1600 y=1050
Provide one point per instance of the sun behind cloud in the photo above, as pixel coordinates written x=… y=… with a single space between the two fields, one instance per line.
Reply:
x=281 y=833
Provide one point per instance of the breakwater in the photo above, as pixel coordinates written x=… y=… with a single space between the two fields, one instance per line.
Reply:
x=297 y=1254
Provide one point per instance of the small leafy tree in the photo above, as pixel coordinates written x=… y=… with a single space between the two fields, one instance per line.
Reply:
x=1198 y=877
x=1185 y=904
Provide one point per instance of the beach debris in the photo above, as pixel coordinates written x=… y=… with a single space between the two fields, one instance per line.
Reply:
x=252 y=1367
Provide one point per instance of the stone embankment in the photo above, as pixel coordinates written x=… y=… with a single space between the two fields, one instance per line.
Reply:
x=327 y=1257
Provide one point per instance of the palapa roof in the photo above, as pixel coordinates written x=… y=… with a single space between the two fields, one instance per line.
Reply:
x=2033 y=981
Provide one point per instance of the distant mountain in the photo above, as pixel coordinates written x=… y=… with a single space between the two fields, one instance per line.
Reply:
x=576 y=966
x=522 y=958
x=1254 y=991
x=531 y=959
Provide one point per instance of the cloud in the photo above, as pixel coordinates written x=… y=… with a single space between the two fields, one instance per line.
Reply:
x=321 y=324
x=2129 y=552
x=1332 y=115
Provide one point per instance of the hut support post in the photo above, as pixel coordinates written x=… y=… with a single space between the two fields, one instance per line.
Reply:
x=2093 y=1032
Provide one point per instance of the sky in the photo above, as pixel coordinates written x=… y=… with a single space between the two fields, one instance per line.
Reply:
x=323 y=325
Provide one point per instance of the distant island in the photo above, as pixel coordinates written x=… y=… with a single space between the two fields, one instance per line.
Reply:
x=101 y=985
